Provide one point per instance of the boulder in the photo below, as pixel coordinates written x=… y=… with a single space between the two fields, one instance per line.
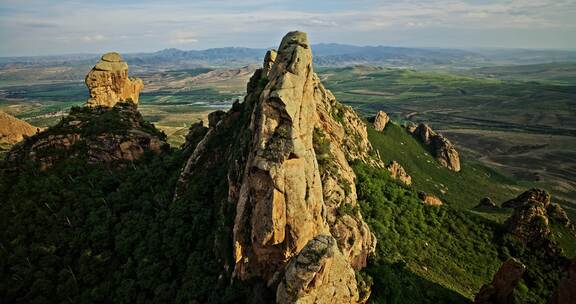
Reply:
x=109 y=84
x=429 y=199
x=318 y=274
x=445 y=152
x=398 y=172
x=500 y=291
x=380 y=121
x=440 y=147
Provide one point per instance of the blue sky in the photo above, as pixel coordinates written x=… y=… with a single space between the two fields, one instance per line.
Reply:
x=41 y=27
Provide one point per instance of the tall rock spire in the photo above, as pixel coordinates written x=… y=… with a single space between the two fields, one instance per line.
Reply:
x=289 y=181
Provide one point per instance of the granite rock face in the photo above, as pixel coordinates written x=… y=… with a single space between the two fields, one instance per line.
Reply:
x=109 y=84
x=288 y=177
x=318 y=274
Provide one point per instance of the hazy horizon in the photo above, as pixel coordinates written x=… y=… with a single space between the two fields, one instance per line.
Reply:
x=40 y=27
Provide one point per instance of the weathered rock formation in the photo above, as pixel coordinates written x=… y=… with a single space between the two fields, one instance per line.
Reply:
x=530 y=221
x=318 y=274
x=380 y=121
x=108 y=83
x=429 y=199
x=99 y=135
x=440 y=147
x=398 y=172
x=566 y=291
x=503 y=284
x=288 y=177
x=534 y=194
x=13 y=130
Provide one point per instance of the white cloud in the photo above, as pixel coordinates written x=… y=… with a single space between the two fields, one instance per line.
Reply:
x=93 y=38
x=156 y=24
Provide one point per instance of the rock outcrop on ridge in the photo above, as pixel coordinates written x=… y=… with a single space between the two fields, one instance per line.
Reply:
x=380 y=121
x=502 y=286
x=440 y=147
x=288 y=178
x=531 y=220
x=100 y=135
x=104 y=131
x=109 y=84
x=13 y=130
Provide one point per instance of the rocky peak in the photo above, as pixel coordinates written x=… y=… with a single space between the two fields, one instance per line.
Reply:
x=500 y=291
x=289 y=180
x=380 y=121
x=440 y=147
x=108 y=83
x=280 y=207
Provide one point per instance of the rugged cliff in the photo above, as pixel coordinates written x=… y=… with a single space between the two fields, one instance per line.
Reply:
x=289 y=181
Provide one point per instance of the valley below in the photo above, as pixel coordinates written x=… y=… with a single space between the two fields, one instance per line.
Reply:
x=517 y=119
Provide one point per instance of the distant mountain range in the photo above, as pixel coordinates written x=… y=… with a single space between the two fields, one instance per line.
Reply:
x=330 y=54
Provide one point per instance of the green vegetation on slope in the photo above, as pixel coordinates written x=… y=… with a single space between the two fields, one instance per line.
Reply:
x=425 y=254
x=462 y=189
x=430 y=254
